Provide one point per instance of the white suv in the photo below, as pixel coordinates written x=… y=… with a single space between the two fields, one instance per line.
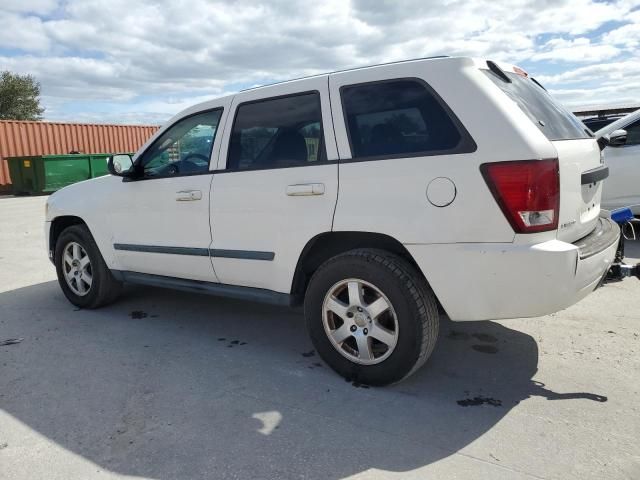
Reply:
x=372 y=195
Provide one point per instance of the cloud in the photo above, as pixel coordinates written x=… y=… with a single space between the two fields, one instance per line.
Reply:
x=617 y=72
x=603 y=83
x=628 y=35
x=41 y=7
x=17 y=31
x=577 y=50
x=131 y=57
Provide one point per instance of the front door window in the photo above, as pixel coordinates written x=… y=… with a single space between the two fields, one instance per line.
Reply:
x=185 y=148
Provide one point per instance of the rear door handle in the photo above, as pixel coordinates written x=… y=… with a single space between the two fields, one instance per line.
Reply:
x=305 y=189
x=188 y=195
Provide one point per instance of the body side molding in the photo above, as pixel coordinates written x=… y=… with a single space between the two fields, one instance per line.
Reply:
x=203 y=252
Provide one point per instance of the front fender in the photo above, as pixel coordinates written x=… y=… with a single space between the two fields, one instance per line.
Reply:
x=88 y=201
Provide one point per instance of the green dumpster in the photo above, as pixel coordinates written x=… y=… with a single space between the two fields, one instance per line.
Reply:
x=41 y=174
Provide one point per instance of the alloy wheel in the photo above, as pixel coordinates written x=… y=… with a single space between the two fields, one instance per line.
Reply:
x=360 y=321
x=76 y=268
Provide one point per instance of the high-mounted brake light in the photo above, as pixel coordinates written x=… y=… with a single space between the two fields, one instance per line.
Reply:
x=520 y=72
x=527 y=191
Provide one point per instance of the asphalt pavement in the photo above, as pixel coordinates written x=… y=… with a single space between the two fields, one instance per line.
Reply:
x=171 y=385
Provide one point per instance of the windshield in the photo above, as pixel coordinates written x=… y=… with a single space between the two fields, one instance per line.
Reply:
x=555 y=121
x=621 y=123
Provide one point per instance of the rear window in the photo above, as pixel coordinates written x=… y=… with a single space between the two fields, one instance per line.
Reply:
x=555 y=121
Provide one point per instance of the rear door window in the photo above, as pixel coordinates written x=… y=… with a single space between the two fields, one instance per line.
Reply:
x=277 y=132
x=554 y=120
x=397 y=118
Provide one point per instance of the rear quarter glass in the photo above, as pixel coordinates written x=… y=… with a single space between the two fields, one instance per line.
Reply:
x=546 y=113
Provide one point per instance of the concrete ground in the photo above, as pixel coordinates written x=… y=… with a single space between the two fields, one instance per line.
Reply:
x=169 y=385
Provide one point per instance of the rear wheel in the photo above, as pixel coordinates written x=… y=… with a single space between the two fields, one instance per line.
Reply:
x=371 y=316
x=83 y=275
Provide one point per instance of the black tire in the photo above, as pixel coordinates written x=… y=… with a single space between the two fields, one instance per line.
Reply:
x=104 y=287
x=413 y=301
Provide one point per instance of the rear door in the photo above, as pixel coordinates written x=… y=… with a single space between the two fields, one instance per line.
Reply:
x=581 y=169
x=276 y=185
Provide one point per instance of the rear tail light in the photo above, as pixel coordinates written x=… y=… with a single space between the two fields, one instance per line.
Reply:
x=527 y=191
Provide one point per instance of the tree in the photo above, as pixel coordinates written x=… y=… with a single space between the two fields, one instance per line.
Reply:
x=19 y=97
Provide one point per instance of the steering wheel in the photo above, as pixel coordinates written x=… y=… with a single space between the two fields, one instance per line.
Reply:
x=196 y=156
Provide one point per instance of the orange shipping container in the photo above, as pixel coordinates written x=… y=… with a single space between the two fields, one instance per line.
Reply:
x=48 y=138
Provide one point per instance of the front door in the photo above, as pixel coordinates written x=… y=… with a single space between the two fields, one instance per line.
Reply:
x=160 y=220
x=277 y=184
x=622 y=188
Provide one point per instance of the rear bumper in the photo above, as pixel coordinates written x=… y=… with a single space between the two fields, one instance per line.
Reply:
x=485 y=281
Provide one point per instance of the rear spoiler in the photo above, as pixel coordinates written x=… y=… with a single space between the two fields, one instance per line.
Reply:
x=495 y=68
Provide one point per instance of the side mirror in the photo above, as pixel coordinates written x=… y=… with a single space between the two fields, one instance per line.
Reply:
x=617 y=138
x=120 y=165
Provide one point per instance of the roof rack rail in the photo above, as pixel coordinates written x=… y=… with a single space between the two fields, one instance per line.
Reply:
x=346 y=70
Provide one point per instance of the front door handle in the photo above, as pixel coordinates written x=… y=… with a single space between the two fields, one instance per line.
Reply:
x=188 y=195
x=305 y=189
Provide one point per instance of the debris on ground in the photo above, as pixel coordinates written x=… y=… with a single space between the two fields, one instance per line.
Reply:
x=485 y=348
x=484 y=337
x=480 y=400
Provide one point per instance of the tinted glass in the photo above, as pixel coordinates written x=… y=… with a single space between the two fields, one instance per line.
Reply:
x=633 y=134
x=184 y=148
x=596 y=124
x=555 y=121
x=278 y=132
x=395 y=118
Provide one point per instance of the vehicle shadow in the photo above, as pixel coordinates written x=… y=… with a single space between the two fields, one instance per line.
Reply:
x=170 y=385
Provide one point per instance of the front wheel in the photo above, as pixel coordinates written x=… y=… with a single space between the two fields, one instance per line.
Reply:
x=371 y=316
x=83 y=275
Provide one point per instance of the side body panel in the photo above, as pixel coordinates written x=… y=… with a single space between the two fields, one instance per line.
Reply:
x=390 y=196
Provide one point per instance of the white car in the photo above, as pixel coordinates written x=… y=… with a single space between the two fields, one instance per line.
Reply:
x=372 y=195
x=622 y=188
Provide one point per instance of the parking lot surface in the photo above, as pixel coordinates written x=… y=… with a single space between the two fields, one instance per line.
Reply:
x=170 y=385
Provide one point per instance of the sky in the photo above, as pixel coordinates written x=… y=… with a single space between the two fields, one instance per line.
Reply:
x=140 y=62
